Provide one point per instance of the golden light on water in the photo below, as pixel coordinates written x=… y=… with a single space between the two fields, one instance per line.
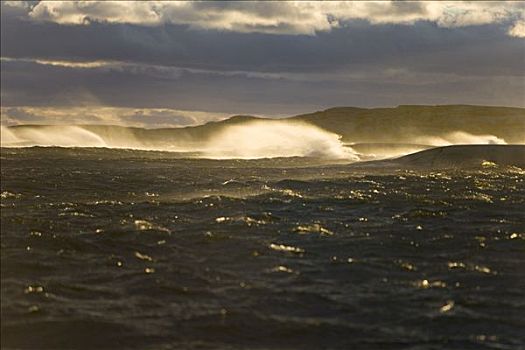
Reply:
x=285 y=248
x=449 y=305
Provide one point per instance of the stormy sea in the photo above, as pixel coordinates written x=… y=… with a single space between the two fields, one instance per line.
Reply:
x=235 y=247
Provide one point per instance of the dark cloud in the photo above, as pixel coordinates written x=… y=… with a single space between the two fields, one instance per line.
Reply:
x=423 y=46
x=173 y=66
x=64 y=86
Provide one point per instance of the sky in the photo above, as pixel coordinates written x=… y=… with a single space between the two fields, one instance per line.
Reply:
x=163 y=64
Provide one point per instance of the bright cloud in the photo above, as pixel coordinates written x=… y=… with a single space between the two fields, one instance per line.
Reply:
x=293 y=17
x=166 y=72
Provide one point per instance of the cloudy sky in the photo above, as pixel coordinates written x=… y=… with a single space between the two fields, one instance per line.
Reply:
x=154 y=63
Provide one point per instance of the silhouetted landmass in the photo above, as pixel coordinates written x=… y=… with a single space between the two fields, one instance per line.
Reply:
x=395 y=124
x=458 y=156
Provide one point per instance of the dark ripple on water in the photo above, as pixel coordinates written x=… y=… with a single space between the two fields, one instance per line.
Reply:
x=115 y=249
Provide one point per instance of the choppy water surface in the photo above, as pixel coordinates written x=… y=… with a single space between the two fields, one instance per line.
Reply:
x=123 y=249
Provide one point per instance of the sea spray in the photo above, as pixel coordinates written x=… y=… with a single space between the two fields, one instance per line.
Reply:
x=460 y=138
x=251 y=140
x=411 y=144
x=7 y=137
x=63 y=136
x=247 y=140
x=276 y=138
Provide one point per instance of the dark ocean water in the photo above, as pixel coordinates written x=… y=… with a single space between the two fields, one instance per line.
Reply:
x=114 y=249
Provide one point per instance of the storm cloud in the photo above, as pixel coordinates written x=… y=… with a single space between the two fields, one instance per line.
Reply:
x=269 y=58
